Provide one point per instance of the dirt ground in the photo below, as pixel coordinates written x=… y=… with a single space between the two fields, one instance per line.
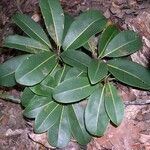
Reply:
x=134 y=133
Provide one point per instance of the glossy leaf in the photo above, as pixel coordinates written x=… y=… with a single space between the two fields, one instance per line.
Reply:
x=130 y=73
x=124 y=43
x=68 y=21
x=60 y=74
x=97 y=70
x=35 y=106
x=46 y=87
x=76 y=59
x=31 y=28
x=55 y=69
x=26 y=96
x=96 y=118
x=86 y=25
x=54 y=19
x=74 y=72
x=59 y=134
x=107 y=35
x=91 y=45
x=25 y=44
x=73 y=90
x=35 y=68
x=76 y=119
x=47 y=117
x=8 y=68
x=113 y=104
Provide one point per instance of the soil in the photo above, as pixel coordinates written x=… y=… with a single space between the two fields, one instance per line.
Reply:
x=16 y=132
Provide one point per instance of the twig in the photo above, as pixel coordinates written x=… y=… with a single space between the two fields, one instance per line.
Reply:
x=9 y=97
x=137 y=102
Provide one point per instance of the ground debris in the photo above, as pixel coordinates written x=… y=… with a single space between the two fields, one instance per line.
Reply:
x=135 y=129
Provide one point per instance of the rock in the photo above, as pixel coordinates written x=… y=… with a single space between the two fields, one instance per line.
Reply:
x=144 y=138
x=141 y=24
x=40 y=138
x=72 y=146
x=107 y=13
x=116 y=10
x=132 y=3
x=10 y=132
x=122 y=137
x=129 y=11
x=36 y=17
x=120 y=2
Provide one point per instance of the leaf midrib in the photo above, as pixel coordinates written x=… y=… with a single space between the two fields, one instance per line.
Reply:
x=36 y=67
x=79 y=88
x=32 y=47
x=33 y=32
x=107 y=54
x=48 y=115
x=99 y=63
x=49 y=87
x=79 y=123
x=76 y=60
x=56 y=34
x=83 y=32
x=34 y=109
x=7 y=74
x=108 y=41
x=60 y=121
x=97 y=117
x=127 y=73
x=62 y=74
x=113 y=100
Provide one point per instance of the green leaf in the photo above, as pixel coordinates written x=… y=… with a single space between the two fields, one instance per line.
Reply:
x=59 y=134
x=46 y=87
x=73 y=90
x=76 y=59
x=74 y=72
x=54 y=19
x=97 y=70
x=124 y=43
x=35 y=68
x=47 y=116
x=113 y=104
x=24 y=44
x=55 y=69
x=35 y=106
x=107 y=35
x=86 y=25
x=96 y=118
x=91 y=45
x=31 y=28
x=8 y=68
x=130 y=73
x=68 y=21
x=26 y=96
x=76 y=119
x=60 y=74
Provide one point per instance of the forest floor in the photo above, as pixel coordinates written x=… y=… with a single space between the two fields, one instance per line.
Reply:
x=16 y=132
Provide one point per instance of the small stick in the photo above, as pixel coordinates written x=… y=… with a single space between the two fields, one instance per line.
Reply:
x=137 y=102
x=8 y=97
